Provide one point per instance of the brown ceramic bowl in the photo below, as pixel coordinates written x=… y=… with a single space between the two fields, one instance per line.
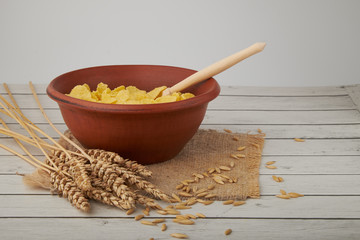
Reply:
x=148 y=133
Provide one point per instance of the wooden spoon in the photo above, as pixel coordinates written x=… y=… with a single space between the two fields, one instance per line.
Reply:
x=215 y=68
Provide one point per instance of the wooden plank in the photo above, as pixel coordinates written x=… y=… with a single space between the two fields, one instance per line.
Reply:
x=23 y=88
x=354 y=93
x=238 y=117
x=291 y=131
x=282 y=117
x=320 y=147
x=311 y=165
x=281 y=103
x=234 y=103
x=318 y=185
x=226 y=90
x=285 y=165
x=283 y=91
x=271 y=131
x=43 y=126
x=323 y=147
x=279 y=147
x=43 y=228
x=308 y=207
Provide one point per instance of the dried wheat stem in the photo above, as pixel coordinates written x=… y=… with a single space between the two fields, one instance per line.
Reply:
x=30 y=127
x=10 y=113
x=23 y=138
x=26 y=151
x=30 y=141
x=17 y=108
x=52 y=125
x=17 y=115
x=24 y=158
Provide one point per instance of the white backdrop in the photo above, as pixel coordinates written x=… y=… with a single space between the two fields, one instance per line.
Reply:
x=309 y=43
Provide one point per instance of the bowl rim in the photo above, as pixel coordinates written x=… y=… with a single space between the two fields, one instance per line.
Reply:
x=62 y=99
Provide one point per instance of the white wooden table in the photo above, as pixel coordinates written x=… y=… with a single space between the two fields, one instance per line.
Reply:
x=325 y=168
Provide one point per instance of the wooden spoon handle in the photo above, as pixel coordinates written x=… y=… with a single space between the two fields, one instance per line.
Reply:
x=215 y=68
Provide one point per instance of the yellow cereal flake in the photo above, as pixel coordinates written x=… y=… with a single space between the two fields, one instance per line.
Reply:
x=186 y=96
x=82 y=92
x=125 y=95
x=156 y=92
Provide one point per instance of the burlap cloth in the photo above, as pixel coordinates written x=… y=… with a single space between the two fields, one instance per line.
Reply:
x=209 y=149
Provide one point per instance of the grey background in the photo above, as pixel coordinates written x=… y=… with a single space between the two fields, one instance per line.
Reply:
x=309 y=43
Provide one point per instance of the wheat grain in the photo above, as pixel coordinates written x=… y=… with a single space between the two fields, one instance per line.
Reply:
x=191 y=201
x=185 y=194
x=295 y=195
x=160 y=220
x=228 y=202
x=203 y=194
x=207 y=202
x=172 y=212
x=201 y=190
x=200 y=215
x=182 y=217
x=271 y=167
x=299 y=140
x=179 y=235
x=211 y=195
x=270 y=162
x=138 y=217
x=198 y=175
x=162 y=212
x=191 y=216
x=283 y=196
x=218 y=179
x=242 y=148
x=145 y=222
x=184 y=221
x=283 y=192
x=163 y=227
x=276 y=179
x=130 y=211
x=238 y=203
x=228 y=231
x=182 y=207
x=176 y=197
x=225 y=168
